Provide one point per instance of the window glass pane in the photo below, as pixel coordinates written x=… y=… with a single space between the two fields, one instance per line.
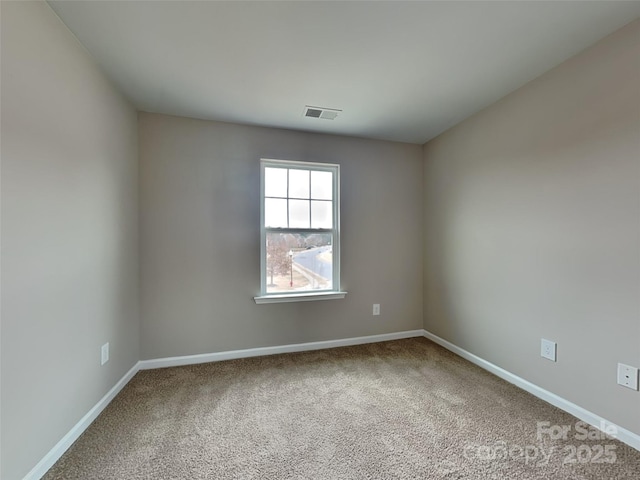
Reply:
x=309 y=267
x=275 y=182
x=298 y=183
x=321 y=214
x=322 y=185
x=298 y=213
x=275 y=212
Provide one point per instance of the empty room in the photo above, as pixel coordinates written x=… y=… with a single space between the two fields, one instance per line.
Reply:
x=319 y=240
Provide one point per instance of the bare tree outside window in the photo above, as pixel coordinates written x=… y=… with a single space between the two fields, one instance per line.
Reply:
x=309 y=267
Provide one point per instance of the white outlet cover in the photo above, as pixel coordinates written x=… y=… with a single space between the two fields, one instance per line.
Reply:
x=104 y=354
x=376 y=309
x=628 y=376
x=548 y=349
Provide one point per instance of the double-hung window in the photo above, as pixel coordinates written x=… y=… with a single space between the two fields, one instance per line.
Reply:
x=300 y=234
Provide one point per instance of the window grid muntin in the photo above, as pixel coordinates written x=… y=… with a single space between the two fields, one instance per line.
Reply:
x=308 y=199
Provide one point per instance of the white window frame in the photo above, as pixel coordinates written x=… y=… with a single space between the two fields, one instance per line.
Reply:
x=327 y=294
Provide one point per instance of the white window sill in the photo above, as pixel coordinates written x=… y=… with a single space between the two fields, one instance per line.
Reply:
x=301 y=297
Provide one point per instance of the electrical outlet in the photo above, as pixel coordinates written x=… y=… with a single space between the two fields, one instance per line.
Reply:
x=628 y=376
x=376 y=309
x=104 y=354
x=548 y=349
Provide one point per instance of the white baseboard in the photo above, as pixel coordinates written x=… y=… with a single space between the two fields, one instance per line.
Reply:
x=630 y=438
x=56 y=452
x=262 y=351
x=624 y=435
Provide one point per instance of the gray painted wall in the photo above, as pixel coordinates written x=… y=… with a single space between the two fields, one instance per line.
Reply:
x=69 y=234
x=529 y=213
x=533 y=229
x=200 y=237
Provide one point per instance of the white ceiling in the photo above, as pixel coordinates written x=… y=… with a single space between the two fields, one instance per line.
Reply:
x=402 y=71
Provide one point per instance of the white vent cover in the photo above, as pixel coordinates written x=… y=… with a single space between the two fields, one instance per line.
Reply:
x=320 y=112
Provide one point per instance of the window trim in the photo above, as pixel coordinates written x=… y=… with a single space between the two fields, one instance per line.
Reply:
x=308 y=295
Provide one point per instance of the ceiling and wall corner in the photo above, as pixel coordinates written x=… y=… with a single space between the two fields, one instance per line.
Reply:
x=69 y=235
x=402 y=71
x=532 y=229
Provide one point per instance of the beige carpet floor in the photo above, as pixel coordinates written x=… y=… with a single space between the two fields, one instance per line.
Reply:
x=405 y=409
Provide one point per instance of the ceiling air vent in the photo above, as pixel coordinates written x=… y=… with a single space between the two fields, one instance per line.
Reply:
x=321 y=112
